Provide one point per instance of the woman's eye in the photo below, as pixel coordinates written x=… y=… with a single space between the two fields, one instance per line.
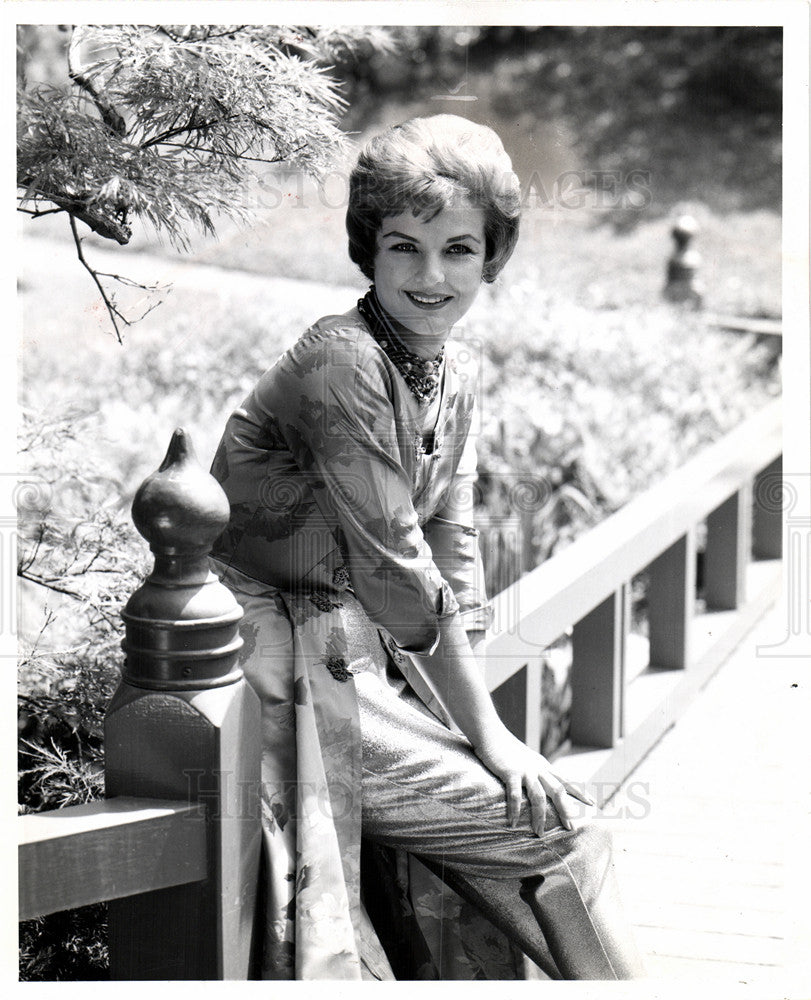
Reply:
x=402 y=247
x=460 y=248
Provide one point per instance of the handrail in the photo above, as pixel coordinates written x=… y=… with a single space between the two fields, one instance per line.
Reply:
x=735 y=486
x=102 y=850
x=562 y=590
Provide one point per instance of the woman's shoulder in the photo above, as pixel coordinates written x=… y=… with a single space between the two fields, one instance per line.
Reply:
x=334 y=338
x=341 y=329
x=337 y=349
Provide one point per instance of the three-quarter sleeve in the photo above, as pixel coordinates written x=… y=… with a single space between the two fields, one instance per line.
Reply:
x=454 y=542
x=329 y=400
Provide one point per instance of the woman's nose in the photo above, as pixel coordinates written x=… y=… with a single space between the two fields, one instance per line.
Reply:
x=432 y=272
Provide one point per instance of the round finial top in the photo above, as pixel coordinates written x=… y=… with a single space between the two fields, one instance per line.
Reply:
x=180 y=508
x=182 y=623
x=684 y=229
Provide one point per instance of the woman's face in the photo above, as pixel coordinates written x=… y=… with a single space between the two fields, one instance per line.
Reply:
x=427 y=273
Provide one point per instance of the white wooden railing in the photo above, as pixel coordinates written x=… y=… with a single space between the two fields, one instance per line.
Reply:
x=621 y=707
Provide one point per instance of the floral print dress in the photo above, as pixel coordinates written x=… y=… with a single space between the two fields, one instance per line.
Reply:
x=338 y=552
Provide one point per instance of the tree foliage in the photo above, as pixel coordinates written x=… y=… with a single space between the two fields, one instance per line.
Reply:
x=167 y=123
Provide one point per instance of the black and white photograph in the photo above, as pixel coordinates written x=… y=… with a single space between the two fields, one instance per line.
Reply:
x=406 y=537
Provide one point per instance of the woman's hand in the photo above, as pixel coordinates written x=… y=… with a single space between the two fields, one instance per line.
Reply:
x=522 y=769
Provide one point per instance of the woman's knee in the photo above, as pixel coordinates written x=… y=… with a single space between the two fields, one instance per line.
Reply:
x=592 y=843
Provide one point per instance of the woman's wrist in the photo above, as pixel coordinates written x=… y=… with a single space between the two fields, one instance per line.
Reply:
x=457 y=678
x=490 y=734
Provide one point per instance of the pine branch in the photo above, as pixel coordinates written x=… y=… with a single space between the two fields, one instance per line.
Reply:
x=111 y=118
x=109 y=305
x=112 y=309
x=165 y=121
x=52 y=584
x=191 y=127
x=37 y=213
x=233 y=156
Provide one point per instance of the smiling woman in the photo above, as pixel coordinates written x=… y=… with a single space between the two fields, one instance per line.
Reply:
x=351 y=548
x=428 y=272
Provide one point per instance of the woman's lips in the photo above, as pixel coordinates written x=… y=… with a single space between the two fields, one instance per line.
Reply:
x=429 y=302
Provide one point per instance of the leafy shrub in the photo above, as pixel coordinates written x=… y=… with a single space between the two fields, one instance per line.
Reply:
x=584 y=408
x=77 y=547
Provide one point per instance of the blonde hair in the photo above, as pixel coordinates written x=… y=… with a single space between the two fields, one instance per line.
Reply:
x=424 y=165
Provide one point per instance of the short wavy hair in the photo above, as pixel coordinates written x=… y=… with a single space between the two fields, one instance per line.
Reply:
x=423 y=165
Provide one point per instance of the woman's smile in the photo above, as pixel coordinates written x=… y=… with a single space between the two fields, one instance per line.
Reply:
x=428 y=272
x=428 y=301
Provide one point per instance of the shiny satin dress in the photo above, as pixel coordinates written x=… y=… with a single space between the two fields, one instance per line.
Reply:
x=340 y=554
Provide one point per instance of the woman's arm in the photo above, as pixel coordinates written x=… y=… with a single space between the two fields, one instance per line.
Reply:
x=457 y=678
x=454 y=543
x=456 y=668
x=328 y=398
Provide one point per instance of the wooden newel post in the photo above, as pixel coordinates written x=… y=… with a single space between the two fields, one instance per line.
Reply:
x=184 y=724
x=683 y=265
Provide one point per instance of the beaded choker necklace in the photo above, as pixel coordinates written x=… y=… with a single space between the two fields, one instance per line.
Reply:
x=421 y=375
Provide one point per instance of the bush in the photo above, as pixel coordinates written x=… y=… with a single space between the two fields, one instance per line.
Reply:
x=584 y=409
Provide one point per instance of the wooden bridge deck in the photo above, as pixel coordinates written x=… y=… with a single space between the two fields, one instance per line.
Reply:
x=712 y=830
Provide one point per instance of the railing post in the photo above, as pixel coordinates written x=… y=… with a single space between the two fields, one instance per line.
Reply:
x=767 y=512
x=510 y=699
x=671 y=597
x=598 y=668
x=533 y=698
x=184 y=725
x=518 y=702
x=727 y=552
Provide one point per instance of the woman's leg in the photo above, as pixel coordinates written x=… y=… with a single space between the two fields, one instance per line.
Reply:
x=424 y=790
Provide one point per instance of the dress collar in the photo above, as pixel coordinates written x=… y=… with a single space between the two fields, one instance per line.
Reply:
x=421 y=375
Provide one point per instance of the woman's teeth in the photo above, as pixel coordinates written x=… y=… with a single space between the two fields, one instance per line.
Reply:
x=428 y=300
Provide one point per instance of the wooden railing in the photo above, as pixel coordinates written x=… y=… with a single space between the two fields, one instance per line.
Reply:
x=175 y=846
x=620 y=707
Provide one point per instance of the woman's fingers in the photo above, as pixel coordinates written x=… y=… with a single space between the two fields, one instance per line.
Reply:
x=557 y=793
x=513 y=785
x=578 y=793
x=535 y=775
x=537 y=801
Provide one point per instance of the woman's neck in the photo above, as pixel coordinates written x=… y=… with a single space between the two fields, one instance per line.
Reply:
x=424 y=345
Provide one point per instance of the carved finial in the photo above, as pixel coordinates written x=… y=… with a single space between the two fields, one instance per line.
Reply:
x=180 y=508
x=182 y=623
x=682 y=267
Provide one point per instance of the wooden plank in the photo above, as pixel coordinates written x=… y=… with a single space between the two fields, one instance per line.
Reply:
x=103 y=850
x=729 y=542
x=733 y=846
x=714 y=870
x=645 y=886
x=710 y=947
x=706 y=873
x=710 y=919
x=671 y=600
x=541 y=606
x=684 y=969
x=598 y=655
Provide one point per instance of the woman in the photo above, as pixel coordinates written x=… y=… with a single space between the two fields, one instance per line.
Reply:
x=351 y=550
